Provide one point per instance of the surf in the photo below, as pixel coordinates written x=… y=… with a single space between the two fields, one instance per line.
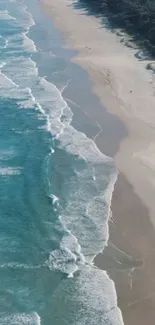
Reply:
x=79 y=182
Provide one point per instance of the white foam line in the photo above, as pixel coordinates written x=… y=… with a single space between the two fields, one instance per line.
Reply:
x=94 y=177
x=70 y=101
x=38 y=318
x=60 y=71
x=83 y=157
x=54 y=73
x=63 y=88
x=29 y=39
x=25 y=8
x=52 y=150
x=2 y=64
x=52 y=54
x=20 y=318
x=78 y=251
x=6 y=44
x=119 y=250
x=7 y=78
x=54 y=198
x=150 y=295
x=100 y=131
x=4 y=15
x=10 y=171
x=14 y=265
x=130 y=278
x=68 y=130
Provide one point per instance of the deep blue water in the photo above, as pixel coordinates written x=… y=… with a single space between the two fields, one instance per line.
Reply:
x=55 y=185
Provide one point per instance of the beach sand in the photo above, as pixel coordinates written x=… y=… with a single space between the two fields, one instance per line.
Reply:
x=131 y=231
x=126 y=89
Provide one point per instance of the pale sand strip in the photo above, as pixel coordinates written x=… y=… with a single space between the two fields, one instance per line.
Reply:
x=115 y=72
x=127 y=89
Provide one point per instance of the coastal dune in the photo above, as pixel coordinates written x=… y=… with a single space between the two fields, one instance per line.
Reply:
x=126 y=88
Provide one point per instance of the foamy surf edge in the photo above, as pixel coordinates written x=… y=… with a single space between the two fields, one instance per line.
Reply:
x=54 y=118
x=70 y=258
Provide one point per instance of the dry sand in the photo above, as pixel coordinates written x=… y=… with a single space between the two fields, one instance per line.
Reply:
x=126 y=88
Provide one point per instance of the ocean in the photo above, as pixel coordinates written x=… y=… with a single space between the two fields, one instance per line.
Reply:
x=55 y=185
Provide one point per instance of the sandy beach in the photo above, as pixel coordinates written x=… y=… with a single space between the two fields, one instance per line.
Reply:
x=131 y=231
x=126 y=89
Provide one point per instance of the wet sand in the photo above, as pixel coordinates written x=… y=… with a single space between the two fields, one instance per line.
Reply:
x=127 y=134
x=133 y=272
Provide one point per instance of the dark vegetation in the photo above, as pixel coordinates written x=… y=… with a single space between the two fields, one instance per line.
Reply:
x=136 y=16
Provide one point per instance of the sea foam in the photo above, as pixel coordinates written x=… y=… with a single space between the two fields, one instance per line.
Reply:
x=18 y=319
x=85 y=196
x=20 y=80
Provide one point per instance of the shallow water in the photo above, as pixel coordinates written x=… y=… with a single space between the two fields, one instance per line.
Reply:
x=55 y=185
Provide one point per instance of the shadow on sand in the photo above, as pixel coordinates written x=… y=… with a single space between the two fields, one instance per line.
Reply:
x=127 y=34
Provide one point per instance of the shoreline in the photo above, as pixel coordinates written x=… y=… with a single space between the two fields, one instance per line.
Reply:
x=125 y=202
x=133 y=278
x=107 y=61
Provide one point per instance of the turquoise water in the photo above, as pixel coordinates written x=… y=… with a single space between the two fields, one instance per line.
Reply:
x=55 y=185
